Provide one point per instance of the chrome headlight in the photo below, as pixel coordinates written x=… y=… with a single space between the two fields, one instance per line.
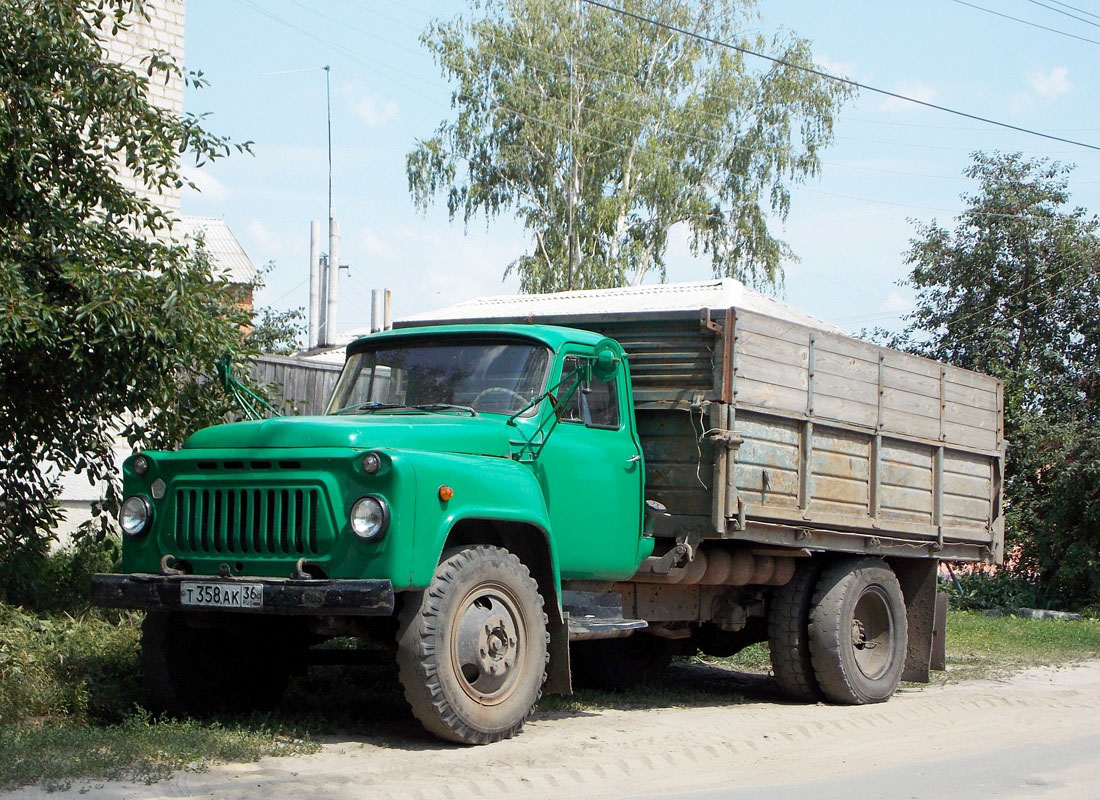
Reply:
x=140 y=465
x=370 y=516
x=136 y=515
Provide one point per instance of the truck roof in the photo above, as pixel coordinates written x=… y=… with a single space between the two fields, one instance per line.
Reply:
x=553 y=336
x=661 y=299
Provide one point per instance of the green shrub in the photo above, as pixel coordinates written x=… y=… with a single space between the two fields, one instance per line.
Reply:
x=1000 y=590
x=83 y=667
x=59 y=581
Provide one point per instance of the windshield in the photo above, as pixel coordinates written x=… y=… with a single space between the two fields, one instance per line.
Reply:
x=493 y=375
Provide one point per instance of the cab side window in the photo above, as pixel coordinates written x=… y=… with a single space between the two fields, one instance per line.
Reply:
x=601 y=401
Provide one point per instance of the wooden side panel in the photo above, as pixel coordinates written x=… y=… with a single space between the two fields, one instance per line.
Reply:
x=840 y=468
x=967 y=490
x=906 y=490
x=678 y=466
x=767 y=461
x=793 y=369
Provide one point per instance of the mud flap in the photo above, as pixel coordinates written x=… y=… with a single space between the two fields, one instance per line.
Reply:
x=558 y=679
x=918 y=584
x=939 y=634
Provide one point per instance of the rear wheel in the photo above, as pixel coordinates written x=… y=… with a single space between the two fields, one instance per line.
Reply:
x=472 y=647
x=788 y=617
x=619 y=664
x=858 y=631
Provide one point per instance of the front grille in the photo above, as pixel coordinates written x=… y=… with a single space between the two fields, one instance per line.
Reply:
x=259 y=522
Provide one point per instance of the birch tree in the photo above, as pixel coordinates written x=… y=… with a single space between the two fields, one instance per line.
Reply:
x=601 y=133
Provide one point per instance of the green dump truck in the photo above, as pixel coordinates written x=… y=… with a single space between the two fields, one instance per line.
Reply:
x=507 y=500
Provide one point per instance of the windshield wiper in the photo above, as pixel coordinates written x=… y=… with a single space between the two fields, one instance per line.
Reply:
x=368 y=408
x=446 y=407
x=374 y=406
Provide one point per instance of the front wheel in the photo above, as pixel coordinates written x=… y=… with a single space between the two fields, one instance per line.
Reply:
x=473 y=646
x=196 y=670
x=858 y=631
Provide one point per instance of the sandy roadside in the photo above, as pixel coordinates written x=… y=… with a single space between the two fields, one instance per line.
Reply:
x=618 y=753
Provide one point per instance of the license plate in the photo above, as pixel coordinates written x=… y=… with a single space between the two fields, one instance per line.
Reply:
x=222 y=595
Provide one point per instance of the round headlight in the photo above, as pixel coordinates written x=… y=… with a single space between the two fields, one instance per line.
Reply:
x=372 y=462
x=136 y=515
x=369 y=518
x=141 y=465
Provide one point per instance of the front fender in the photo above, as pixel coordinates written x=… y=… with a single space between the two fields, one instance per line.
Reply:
x=485 y=488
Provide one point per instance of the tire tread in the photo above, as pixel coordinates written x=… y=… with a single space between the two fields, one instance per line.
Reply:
x=788 y=619
x=415 y=655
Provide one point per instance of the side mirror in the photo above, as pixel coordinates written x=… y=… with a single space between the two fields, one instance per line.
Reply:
x=605 y=360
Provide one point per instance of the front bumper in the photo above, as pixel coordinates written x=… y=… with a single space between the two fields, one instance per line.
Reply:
x=363 y=598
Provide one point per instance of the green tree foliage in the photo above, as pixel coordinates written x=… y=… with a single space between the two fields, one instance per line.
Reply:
x=105 y=323
x=277 y=332
x=1014 y=291
x=572 y=112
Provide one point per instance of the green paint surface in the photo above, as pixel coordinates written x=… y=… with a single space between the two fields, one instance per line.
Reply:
x=259 y=496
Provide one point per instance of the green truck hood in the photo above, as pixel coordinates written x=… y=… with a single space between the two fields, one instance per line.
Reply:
x=447 y=432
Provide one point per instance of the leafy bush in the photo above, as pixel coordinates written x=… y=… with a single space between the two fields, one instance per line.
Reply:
x=83 y=667
x=47 y=582
x=1002 y=589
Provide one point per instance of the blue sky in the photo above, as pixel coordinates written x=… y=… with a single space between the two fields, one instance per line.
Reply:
x=891 y=162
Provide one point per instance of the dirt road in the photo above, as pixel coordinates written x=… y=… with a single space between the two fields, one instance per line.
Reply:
x=1034 y=735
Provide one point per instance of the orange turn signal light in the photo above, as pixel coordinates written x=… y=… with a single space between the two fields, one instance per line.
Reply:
x=446 y=493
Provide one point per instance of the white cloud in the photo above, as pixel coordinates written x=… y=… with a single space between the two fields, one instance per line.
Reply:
x=913 y=89
x=374 y=245
x=1042 y=86
x=1050 y=84
x=842 y=69
x=374 y=110
x=205 y=184
x=265 y=238
x=895 y=303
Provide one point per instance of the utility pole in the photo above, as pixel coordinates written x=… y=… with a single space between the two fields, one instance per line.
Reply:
x=315 y=284
x=571 y=198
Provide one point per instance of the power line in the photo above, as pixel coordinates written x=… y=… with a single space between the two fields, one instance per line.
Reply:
x=378 y=65
x=827 y=76
x=1066 y=13
x=1075 y=8
x=1026 y=22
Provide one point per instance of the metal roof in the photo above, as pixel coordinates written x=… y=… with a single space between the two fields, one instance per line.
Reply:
x=225 y=251
x=647 y=298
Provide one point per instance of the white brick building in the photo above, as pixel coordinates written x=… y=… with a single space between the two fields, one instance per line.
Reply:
x=162 y=31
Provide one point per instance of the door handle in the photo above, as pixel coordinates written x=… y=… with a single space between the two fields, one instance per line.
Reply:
x=633 y=459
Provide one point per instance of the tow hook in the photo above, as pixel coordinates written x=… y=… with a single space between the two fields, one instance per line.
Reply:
x=167 y=568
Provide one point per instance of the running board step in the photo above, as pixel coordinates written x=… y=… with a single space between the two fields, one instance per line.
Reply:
x=597 y=615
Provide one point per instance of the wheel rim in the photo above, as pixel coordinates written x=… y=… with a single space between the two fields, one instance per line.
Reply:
x=488 y=644
x=872 y=633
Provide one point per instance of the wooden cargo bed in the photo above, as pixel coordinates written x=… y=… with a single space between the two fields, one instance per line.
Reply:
x=780 y=432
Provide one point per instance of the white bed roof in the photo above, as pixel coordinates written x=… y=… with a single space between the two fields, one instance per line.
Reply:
x=715 y=294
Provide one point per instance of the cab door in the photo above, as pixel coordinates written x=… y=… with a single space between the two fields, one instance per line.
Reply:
x=592 y=475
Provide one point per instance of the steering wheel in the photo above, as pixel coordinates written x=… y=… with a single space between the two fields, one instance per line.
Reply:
x=494 y=389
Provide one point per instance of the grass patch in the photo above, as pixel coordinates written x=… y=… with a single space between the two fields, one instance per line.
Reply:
x=56 y=753
x=991 y=647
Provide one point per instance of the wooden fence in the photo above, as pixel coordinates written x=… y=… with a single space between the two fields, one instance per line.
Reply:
x=301 y=387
